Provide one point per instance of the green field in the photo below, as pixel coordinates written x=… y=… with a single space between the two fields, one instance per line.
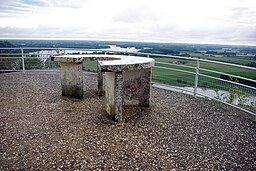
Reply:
x=210 y=66
x=233 y=60
x=90 y=66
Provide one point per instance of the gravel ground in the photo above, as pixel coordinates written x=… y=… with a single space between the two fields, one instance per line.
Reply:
x=40 y=130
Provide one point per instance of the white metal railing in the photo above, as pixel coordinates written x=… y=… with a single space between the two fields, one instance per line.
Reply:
x=190 y=75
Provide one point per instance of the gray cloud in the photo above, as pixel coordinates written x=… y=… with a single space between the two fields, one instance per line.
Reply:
x=67 y=3
x=21 y=6
x=43 y=32
x=245 y=15
x=9 y=8
x=135 y=15
x=239 y=15
x=228 y=35
x=38 y=3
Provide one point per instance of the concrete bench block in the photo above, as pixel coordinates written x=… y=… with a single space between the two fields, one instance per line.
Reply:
x=101 y=91
x=72 y=79
x=114 y=94
x=136 y=87
x=131 y=88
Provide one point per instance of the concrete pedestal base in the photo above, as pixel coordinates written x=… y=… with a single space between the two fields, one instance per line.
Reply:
x=72 y=79
x=100 y=82
x=126 y=88
x=136 y=87
x=114 y=94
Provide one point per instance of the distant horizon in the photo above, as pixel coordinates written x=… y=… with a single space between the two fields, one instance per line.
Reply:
x=142 y=41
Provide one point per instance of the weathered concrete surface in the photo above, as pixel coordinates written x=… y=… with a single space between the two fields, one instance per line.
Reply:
x=114 y=94
x=100 y=81
x=128 y=83
x=72 y=79
x=127 y=63
x=68 y=58
x=136 y=87
x=131 y=88
x=85 y=57
x=118 y=95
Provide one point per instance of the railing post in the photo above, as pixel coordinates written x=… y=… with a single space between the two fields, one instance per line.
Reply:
x=196 y=78
x=49 y=61
x=148 y=55
x=23 y=60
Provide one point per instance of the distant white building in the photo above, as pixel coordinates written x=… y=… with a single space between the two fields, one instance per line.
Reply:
x=226 y=48
x=202 y=51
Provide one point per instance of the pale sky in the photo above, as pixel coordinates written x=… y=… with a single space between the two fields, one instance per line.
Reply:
x=191 y=21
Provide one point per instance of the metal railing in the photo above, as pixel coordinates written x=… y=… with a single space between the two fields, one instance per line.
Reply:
x=229 y=83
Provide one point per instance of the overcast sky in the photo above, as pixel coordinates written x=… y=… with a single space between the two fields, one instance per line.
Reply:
x=197 y=21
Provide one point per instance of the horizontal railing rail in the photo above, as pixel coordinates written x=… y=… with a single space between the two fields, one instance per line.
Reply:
x=173 y=69
x=227 y=81
x=199 y=77
x=231 y=75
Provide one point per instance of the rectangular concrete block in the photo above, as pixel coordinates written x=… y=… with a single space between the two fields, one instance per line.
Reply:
x=114 y=94
x=136 y=87
x=100 y=82
x=72 y=79
x=131 y=88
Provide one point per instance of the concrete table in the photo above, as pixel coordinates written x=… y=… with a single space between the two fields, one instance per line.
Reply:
x=128 y=82
x=127 y=79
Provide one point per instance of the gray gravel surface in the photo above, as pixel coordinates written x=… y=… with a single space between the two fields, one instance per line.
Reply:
x=40 y=130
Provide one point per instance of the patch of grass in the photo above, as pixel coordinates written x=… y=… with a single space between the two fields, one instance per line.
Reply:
x=90 y=66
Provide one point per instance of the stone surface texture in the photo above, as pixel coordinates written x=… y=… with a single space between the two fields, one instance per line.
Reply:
x=85 y=57
x=41 y=130
x=101 y=90
x=110 y=93
x=118 y=96
x=130 y=88
x=136 y=87
x=72 y=79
